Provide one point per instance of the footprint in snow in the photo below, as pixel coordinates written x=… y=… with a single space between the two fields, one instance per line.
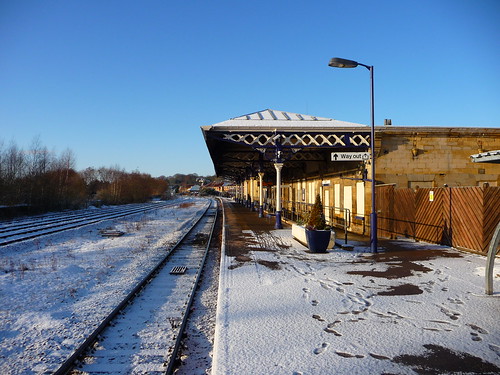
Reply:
x=322 y=348
x=475 y=336
x=349 y=355
x=317 y=317
x=453 y=315
x=306 y=291
x=495 y=348
x=477 y=330
x=330 y=330
x=331 y=325
x=325 y=285
x=314 y=302
x=456 y=301
x=378 y=356
x=443 y=279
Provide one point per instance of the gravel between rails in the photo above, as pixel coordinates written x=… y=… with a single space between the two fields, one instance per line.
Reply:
x=197 y=350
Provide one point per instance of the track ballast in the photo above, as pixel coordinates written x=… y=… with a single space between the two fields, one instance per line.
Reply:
x=143 y=333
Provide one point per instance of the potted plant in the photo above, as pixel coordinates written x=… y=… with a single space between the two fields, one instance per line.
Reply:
x=317 y=232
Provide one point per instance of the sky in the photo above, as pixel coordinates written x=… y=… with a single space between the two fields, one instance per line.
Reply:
x=130 y=83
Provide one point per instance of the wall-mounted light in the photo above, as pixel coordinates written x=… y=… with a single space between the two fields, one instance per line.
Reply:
x=414 y=150
x=480 y=149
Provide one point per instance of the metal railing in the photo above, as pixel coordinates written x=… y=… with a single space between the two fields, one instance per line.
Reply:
x=298 y=212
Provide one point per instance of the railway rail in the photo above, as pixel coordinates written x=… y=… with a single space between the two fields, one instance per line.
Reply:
x=32 y=228
x=143 y=334
x=25 y=222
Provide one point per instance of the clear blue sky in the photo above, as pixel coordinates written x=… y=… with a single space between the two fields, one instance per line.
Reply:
x=129 y=83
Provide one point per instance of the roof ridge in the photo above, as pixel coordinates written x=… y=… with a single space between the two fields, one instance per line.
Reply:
x=273 y=114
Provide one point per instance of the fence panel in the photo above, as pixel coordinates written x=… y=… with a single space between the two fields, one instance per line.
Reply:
x=404 y=210
x=491 y=216
x=463 y=208
x=385 y=210
x=429 y=221
x=461 y=216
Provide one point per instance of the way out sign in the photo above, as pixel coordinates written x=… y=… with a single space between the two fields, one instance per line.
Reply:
x=350 y=156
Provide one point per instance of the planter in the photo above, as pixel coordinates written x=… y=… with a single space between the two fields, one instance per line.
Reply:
x=299 y=234
x=318 y=240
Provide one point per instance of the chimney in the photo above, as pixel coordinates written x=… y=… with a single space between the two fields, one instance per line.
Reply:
x=387 y=122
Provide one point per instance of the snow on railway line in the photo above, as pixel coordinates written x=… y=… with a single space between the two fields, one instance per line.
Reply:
x=54 y=290
x=25 y=230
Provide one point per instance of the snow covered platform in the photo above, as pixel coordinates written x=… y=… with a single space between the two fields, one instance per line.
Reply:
x=415 y=308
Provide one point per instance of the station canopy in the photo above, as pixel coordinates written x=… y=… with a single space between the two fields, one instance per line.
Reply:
x=245 y=145
x=486 y=157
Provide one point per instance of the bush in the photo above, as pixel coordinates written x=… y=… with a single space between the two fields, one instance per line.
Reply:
x=316 y=219
x=208 y=191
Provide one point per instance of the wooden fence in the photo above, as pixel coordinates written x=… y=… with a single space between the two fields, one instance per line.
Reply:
x=463 y=217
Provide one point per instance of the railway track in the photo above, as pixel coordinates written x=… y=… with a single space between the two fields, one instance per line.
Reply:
x=33 y=221
x=142 y=335
x=30 y=229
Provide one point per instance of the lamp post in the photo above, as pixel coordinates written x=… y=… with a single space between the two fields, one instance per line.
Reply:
x=343 y=63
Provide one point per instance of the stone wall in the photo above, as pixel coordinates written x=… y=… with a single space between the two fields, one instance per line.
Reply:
x=411 y=157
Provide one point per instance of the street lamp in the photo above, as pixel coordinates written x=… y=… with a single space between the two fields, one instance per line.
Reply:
x=343 y=63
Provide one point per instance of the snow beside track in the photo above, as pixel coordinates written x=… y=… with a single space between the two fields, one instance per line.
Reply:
x=55 y=290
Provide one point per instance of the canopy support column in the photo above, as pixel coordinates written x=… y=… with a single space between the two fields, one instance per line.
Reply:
x=278 y=167
x=252 y=191
x=261 y=195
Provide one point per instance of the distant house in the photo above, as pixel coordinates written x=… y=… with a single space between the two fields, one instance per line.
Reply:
x=195 y=189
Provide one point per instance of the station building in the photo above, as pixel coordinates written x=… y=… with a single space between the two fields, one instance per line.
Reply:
x=279 y=161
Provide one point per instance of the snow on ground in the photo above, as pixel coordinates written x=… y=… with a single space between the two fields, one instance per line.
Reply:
x=55 y=290
x=287 y=311
x=281 y=310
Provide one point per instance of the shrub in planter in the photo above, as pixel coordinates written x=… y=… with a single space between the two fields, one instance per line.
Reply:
x=317 y=232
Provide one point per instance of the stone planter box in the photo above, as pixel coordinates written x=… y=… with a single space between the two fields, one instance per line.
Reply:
x=299 y=234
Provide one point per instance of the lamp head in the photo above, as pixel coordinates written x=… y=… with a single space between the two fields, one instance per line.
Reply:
x=337 y=62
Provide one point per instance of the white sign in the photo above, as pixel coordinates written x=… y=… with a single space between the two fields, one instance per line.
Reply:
x=350 y=156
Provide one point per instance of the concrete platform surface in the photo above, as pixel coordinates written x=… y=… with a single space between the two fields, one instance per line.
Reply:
x=414 y=309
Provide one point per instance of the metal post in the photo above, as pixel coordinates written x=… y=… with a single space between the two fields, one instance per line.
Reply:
x=373 y=215
x=490 y=260
x=244 y=191
x=252 y=187
x=278 y=167
x=261 y=195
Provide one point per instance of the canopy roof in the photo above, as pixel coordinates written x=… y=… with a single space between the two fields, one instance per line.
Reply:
x=281 y=120
x=486 y=157
x=244 y=145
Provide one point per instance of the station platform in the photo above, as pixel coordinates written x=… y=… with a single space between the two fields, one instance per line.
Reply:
x=411 y=308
